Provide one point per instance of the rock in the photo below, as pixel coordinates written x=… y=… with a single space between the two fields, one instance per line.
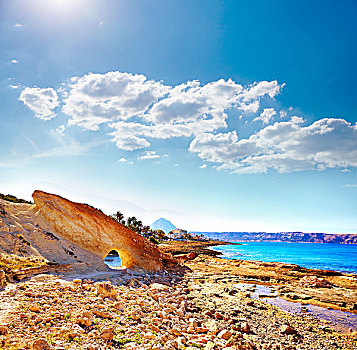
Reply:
x=119 y=306
x=89 y=229
x=34 y=308
x=40 y=344
x=286 y=329
x=135 y=315
x=84 y=321
x=245 y=327
x=224 y=334
x=102 y=314
x=107 y=334
x=2 y=278
x=106 y=290
x=186 y=257
x=218 y=316
x=3 y=330
x=314 y=281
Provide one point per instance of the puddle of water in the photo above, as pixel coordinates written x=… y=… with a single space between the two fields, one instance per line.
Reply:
x=338 y=320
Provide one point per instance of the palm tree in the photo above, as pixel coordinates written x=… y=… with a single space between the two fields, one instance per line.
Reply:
x=118 y=216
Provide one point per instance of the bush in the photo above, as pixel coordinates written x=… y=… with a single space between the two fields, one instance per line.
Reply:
x=11 y=198
x=153 y=240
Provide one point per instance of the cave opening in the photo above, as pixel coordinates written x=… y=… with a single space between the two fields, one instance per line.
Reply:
x=113 y=260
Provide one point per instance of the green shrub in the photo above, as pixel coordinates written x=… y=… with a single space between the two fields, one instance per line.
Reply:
x=11 y=198
x=153 y=240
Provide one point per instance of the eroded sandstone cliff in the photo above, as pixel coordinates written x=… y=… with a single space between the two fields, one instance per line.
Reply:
x=57 y=230
x=95 y=232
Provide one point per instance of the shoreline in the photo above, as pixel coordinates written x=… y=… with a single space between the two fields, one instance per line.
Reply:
x=206 y=303
x=339 y=292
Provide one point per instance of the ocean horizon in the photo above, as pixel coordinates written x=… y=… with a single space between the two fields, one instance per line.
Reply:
x=336 y=257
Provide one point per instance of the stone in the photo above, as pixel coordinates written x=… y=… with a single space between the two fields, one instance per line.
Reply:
x=106 y=290
x=40 y=344
x=286 y=329
x=102 y=314
x=135 y=315
x=3 y=330
x=314 y=281
x=34 y=308
x=107 y=334
x=224 y=334
x=245 y=327
x=218 y=316
x=119 y=306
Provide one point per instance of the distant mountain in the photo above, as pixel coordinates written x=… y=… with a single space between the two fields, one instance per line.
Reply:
x=291 y=237
x=163 y=224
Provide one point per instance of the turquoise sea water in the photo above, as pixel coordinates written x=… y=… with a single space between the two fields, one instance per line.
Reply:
x=338 y=257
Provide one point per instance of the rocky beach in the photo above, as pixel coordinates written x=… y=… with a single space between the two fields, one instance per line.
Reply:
x=193 y=306
x=187 y=298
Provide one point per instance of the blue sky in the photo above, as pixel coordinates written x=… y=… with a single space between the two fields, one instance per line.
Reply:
x=217 y=115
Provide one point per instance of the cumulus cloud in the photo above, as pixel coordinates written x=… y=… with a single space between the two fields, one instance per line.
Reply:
x=137 y=108
x=140 y=111
x=203 y=166
x=122 y=160
x=266 y=115
x=283 y=146
x=95 y=99
x=41 y=101
x=18 y=25
x=14 y=61
x=149 y=155
x=130 y=143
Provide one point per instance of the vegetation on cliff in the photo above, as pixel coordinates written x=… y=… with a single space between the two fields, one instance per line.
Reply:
x=12 y=198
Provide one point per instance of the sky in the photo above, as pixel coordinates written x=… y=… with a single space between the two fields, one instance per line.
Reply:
x=216 y=115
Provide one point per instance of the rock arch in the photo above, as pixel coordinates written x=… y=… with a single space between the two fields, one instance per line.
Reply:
x=95 y=232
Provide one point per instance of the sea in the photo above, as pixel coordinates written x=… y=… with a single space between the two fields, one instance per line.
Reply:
x=326 y=256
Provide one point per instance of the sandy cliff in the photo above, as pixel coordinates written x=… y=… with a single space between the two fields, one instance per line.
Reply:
x=94 y=231
x=57 y=230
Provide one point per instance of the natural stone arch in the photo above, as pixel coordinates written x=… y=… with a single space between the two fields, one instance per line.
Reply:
x=95 y=232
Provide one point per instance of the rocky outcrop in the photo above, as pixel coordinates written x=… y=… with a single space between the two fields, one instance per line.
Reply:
x=95 y=232
x=55 y=232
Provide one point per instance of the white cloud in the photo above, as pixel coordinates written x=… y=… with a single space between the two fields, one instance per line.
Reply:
x=18 y=25
x=40 y=101
x=101 y=23
x=122 y=160
x=266 y=115
x=149 y=155
x=14 y=86
x=191 y=101
x=130 y=143
x=138 y=110
x=256 y=90
x=284 y=146
x=95 y=99
x=350 y=185
x=203 y=166
x=14 y=61
x=60 y=130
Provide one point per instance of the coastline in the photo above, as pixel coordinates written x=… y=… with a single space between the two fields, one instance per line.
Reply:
x=340 y=292
x=196 y=247
x=197 y=305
